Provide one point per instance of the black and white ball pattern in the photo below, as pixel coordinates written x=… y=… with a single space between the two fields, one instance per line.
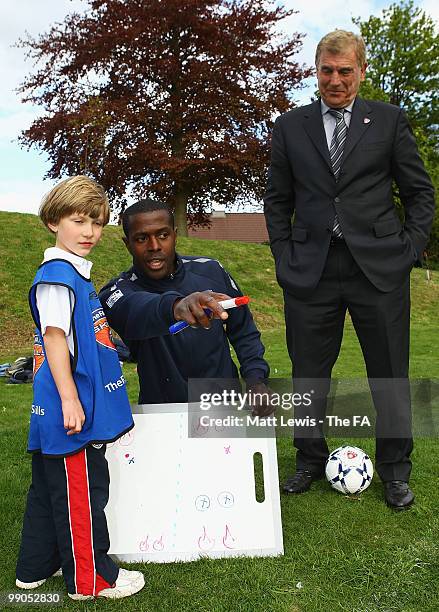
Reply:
x=349 y=470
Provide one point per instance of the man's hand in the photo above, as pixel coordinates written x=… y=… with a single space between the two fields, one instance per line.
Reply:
x=73 y=415
x=191 y=308
x=260 y=399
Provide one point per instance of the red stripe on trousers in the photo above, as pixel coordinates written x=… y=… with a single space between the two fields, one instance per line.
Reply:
x=80 y=522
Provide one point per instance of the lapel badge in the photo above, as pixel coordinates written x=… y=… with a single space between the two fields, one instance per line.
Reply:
x=366 y=120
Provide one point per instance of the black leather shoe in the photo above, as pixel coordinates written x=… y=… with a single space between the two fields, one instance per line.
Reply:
x=300 y=482
x=398 y=494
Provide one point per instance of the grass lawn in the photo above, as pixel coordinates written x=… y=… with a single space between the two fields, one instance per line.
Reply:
x=352 y=555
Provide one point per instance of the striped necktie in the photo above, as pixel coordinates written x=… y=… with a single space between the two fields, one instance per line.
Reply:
x=336 y=154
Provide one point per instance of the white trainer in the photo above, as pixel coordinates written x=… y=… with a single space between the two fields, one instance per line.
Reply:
x=127 y=583
x=36 y=584
x=29 y=585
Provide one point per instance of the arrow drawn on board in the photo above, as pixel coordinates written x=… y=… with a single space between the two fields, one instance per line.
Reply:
x=143 y=546
x=228 y=539
x=204 y=542
x=158 y=544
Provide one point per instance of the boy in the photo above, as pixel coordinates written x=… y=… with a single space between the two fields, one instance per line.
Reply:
x=80 y=404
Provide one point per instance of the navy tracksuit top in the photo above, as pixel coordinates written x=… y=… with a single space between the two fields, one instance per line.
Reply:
x=140 y=310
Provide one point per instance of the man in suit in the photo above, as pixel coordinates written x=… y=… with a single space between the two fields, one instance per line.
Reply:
x=339 y=245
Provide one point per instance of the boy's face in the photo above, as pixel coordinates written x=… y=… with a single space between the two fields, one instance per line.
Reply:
x=151 y=242
x=78 y=233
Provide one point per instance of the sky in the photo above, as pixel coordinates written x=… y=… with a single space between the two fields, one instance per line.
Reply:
x=22 y=183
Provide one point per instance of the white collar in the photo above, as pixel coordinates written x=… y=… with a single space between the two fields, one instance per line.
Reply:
x=325 y=108
x=83 y=266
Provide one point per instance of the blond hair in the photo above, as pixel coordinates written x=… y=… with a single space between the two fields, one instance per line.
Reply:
x=77 y=194
x=338 y=41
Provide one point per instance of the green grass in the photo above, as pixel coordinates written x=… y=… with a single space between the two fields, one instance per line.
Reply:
x=341 y=554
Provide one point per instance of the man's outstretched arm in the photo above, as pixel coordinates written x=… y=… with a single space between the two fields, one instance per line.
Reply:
x=137 y=314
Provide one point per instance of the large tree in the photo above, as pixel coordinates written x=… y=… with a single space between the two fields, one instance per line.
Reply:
x=403 y=69
x=403 y=59
x=172 y=98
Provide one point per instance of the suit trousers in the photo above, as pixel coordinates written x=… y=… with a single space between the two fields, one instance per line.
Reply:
x=64 y=523
x=314 y=331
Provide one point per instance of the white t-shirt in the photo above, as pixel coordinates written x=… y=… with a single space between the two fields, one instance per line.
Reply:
x=55 y=303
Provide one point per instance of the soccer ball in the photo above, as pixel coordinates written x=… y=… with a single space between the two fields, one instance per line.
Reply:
x=349 y=470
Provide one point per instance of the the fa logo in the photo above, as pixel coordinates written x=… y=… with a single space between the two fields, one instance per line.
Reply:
x=351 y=454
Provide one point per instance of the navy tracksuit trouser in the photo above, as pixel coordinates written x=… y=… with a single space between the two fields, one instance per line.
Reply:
x=64 y=523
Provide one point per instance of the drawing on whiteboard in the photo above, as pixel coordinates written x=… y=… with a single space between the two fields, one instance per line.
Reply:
x=226 y=499
x=179 y=473
x=199 y=429
x=204 y=542
x=228 y=539
x=158 y=544
x=202 y=509
x=126 y=439
x=202 y=503
x=143 y=545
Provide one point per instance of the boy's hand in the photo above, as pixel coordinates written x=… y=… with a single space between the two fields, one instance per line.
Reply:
x=58 y=356
x=192 y=308
x=73 y=414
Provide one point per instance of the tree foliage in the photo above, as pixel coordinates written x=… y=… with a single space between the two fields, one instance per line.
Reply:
x=403 y=69
x=170 y=98
x=403 y=59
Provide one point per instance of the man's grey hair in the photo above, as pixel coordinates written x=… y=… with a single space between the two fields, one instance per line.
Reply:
x=338 y=41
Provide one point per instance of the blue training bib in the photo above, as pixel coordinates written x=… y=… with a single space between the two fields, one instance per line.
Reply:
x=96 y=372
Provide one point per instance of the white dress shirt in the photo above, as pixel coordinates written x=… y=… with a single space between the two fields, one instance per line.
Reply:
x=55 y=303
x=329 y=120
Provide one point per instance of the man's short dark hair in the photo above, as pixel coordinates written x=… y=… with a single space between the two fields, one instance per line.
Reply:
x=144 y=206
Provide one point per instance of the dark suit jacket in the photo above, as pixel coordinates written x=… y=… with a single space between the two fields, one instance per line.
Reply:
x=302 y=196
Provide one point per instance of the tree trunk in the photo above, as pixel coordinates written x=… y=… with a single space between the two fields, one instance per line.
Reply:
x=181 y=213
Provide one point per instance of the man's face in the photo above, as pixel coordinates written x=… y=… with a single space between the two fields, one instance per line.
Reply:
x=339 y=77
x=151 y=242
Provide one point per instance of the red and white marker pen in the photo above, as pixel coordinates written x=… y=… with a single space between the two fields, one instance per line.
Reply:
x=226 y=304
x=234 y=302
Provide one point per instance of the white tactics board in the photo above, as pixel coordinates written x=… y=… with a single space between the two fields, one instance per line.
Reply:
x=175 y=498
